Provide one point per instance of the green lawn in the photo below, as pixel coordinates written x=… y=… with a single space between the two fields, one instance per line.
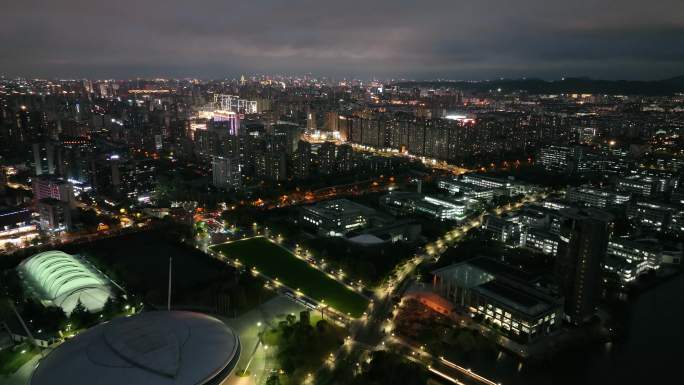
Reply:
x=302 y=348
x=276 y=262
x=12 y=358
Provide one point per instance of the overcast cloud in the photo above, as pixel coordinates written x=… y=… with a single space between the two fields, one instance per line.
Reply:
x=454 y=39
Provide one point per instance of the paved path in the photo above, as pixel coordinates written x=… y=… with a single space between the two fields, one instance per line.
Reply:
x=21 y=376
x=247 y=326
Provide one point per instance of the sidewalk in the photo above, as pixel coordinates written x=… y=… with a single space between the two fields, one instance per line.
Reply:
x=21 y=376
x=248 y=329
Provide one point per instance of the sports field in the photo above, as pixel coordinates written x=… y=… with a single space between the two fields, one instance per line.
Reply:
x=276 y=262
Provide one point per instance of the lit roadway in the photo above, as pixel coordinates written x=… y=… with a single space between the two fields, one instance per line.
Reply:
x=329 y=192
x=299 y=196
x=375 y=331
x=387 y=152
x=432 y=163
x=76 y=237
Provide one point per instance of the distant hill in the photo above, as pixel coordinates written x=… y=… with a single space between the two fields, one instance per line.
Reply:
x=568 y=85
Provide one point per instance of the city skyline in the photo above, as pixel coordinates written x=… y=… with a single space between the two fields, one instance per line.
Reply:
x=341 y=193
x=438 y=39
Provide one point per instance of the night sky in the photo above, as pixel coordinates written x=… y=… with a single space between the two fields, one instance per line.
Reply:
x=476 y=39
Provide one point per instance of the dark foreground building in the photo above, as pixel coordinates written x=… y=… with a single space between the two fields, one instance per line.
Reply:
x=153 y=348
x=583 y=242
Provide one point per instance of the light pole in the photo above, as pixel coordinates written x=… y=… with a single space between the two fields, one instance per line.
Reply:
x=168 y=301
x=23 y=325
x=255 y=347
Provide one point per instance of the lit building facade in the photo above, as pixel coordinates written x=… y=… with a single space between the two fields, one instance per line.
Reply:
x=503 y=229
x=54 y=215
x=440 y=208
x=455 y=186
x=540 y=240
x=594 y=197
x=226 y=173
x=651 y=214
x=631 y=250
x=53 y=188
x=17 y=227
x=625 y=271
x=517 y=309
x=336 y=217
x=560 y=158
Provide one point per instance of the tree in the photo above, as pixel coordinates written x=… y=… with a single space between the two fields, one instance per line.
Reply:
x=288 y=364
x=322 y=326
x=273 y=379
x=305 y=317
x=80 y=316
x=5 y=310
x=111 y=308
x=39 y=317
x=291 y=319
x=391 y=368
x=465 y=341
x=200 y=229
x=88 y=218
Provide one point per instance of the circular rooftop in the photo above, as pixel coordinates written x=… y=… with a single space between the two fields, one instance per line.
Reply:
x=152 y=348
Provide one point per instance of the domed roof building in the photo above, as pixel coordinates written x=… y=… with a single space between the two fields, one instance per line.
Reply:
x=150 y=348
x=60 y=279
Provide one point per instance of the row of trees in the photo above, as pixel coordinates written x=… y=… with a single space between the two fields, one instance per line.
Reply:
x=391 y=368
x=302 y=346
x=53 y=319
x=370 y=264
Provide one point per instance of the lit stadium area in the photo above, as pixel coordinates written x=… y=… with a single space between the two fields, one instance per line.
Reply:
x=59 y=279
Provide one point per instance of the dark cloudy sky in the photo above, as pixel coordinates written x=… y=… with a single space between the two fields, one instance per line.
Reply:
x=476 y=39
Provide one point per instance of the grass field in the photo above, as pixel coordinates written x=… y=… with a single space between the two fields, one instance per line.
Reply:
x=12 y=358
x=140 y=263
x=276 y=262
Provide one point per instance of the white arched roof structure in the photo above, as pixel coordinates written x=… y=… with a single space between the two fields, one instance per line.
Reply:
x=64 y=280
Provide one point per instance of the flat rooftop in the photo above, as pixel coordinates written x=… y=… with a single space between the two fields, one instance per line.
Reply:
x=338 y=207
x=518 y=297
